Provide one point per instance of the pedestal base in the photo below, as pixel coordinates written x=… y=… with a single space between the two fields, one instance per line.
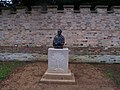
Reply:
x=58 y=78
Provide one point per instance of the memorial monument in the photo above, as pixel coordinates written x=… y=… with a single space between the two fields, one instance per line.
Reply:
x=58 y=71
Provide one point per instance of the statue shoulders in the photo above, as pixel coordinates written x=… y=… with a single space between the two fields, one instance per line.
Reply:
x=62 y=36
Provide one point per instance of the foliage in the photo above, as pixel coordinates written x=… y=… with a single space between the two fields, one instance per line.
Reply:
x=69 y=2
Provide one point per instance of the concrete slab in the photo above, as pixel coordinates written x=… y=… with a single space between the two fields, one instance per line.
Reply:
x=58 y=78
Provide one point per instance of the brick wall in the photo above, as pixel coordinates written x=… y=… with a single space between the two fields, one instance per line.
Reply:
x=96 y=31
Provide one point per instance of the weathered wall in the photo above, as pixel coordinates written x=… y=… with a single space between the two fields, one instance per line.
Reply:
x=93 y=33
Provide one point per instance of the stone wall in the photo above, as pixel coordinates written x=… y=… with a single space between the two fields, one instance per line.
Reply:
x=92 y=32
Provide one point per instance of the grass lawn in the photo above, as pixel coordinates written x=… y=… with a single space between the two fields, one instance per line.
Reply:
x=6 y=68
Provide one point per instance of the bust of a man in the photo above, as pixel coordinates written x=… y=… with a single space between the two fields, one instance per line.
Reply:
x=59 y=40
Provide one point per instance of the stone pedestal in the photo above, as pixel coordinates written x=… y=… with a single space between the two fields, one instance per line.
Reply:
x=58 y=60
x=58 y=71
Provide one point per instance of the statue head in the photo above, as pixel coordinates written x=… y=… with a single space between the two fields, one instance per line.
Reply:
x=59 y=32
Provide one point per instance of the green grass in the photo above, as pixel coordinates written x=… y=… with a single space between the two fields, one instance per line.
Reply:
x=113 y=77
x=7 y=67
x=110 y=75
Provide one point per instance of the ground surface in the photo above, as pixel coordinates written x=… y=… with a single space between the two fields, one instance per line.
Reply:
x=88 y=77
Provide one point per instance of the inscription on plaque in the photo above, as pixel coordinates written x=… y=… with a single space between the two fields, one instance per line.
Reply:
x=58 y=60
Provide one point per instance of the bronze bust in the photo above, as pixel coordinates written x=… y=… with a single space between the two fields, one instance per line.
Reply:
x=59 y=40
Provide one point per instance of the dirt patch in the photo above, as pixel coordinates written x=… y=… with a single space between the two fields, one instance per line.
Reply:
x=88 y=77
x=112 y=71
